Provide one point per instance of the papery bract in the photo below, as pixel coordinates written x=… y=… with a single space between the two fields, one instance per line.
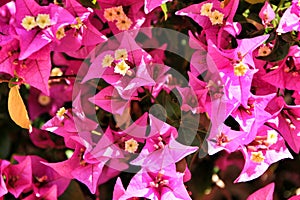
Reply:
x=18 y=177
x=267 y=148
x=265 y=193
x=3 y=189
x=44 y=177
x=163 y=184
x=266 y=13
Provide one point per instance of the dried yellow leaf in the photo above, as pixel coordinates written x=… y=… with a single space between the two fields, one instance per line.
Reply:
x=17 y=109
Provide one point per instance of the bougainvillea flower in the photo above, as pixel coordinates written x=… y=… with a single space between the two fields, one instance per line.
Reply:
x=162 y=184
x=267 y=148
x=37 y=26
x=158 y=73
x=224 y=138
x=86 y=33
x=221 y=102
x=125 y=15
x=127 y=87
x=3 y=188
x=215 y=18
x=99 y=66
x=285 y=74
x=266 y=13
x=7 y=59
x=119 y=63
x=236 y=66
x=41 y=138
x=64 y=124
x=18 y=177
x=43 y=193
x=118 y=189
x=190 y=100
x=202 y=13
x=263 y=193
x=105 y=147
x=289 y=20
x=35 y=70
x=151 y=5
x=76 y=167
x=161 y=148
x=253 y=116
x=165 y=156
x=109 y=99
x=136 y=130
x=201 y=90
x=160 y=134
x=109 y=150
x=296 y=96
x=196 y=42
x=288 y=122
x=45 y=177
x=8 y=12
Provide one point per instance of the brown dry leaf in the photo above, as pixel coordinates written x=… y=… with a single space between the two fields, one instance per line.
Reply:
x=255 y=1
x=17 y=109
x=256 y=24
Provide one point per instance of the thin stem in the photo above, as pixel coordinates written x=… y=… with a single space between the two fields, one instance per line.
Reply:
x=63 y=76
x=279 y=5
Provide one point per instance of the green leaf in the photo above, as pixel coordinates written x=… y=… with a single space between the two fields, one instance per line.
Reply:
x=13 y=81
x=90 y=3
x=172 y=107
x=72 y=192
x=279 y=52
x=165 y=10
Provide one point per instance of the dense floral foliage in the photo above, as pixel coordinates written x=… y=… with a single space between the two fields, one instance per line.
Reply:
x=149 y=99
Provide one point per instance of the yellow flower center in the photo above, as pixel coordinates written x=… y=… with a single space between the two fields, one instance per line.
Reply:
x=216 y=17
x=121 y=54
x=121 y=68
x=119 y=12
x=78 y=25
x=240 y=69
x=114 y=13
x=56 y=72
x=60 y=33
x=109 y=14
x=264 y=51
x=107 y=60
x=123 y=24
x=44 y=100
x=206 y=9
x=257 y=157
x=43 y=20
x=28 y=22
x=131 y=145
x=60 y=113
x=272 y=137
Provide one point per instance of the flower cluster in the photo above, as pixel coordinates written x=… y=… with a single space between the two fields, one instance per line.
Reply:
x=112 y=93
